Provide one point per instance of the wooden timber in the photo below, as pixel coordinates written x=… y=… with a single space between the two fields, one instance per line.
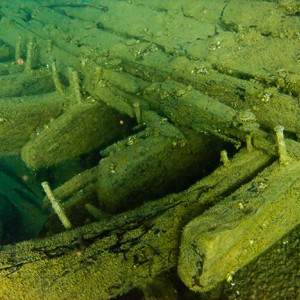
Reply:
x=228 y=69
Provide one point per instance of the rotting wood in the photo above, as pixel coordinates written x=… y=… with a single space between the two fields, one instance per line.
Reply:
x=22 y=117
x=162 y=158
x=75 y=194
x=211 y=76
x=111 y=257
x=234 y=232
x=235 y=66
x=88 y=126
x=36 y=82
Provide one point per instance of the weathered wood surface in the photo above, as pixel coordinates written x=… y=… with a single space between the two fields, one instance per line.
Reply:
x=22 y=117
x=82 y=128
x=210 y=50
x=113 y=257
x=213 y=60
x=199 y=65
x=218 y=243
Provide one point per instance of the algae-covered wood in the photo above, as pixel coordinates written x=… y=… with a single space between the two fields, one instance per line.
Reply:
x=84 y=77
x=232 y=233
x=113 y=257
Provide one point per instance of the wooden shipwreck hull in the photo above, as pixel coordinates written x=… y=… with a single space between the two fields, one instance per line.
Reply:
x=160 y=89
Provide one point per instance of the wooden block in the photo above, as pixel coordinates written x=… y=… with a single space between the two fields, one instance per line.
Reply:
x=82 y=128
x=227 y=237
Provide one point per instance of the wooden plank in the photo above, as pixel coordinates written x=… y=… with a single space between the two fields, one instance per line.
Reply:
x=121 y=254
x=215 y=70
x=22 y=117
x=82 y=128
x=231 y=234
